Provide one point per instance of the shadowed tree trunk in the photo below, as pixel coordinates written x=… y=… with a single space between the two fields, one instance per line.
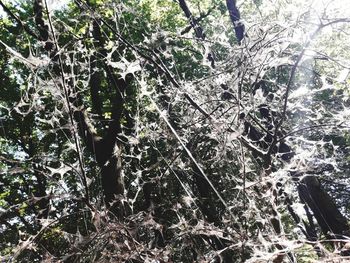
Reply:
x=332 y=223
x=108 y=156
x=106 y=148
x=235 y=17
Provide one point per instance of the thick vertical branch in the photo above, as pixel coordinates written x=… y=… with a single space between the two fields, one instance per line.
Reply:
x=328 y=216
x=109 y=152
x=106 y=149
x=196 y=27
x=235 y=19
x=108 y=157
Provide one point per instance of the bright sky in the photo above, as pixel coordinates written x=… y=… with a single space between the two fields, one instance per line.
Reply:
x=335 y=8
x=341 y=7
x=57 y=4
x=53 y=4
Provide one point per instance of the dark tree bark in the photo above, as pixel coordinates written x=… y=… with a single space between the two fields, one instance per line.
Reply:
x=193 y=22
x=108 y=157
x=196 y=27
x=106 y=148
x=333 y=224
x=206 y=202
x=197 y=20
x=235 y=17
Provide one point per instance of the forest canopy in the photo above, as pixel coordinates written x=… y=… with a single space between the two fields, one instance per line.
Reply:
x=174 y=131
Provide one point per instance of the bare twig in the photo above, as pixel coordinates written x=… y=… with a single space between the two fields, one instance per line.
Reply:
x=70 y=110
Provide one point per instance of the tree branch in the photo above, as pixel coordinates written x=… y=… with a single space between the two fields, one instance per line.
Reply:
x=196 y=27
x=19 y=21
x=196 y=20
x=193 y=22
x=235 y=19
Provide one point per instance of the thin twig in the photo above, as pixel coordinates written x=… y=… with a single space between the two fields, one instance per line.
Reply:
x=70 y=111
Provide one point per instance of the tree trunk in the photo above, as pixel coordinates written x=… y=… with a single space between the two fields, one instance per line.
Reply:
x=333 y=224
